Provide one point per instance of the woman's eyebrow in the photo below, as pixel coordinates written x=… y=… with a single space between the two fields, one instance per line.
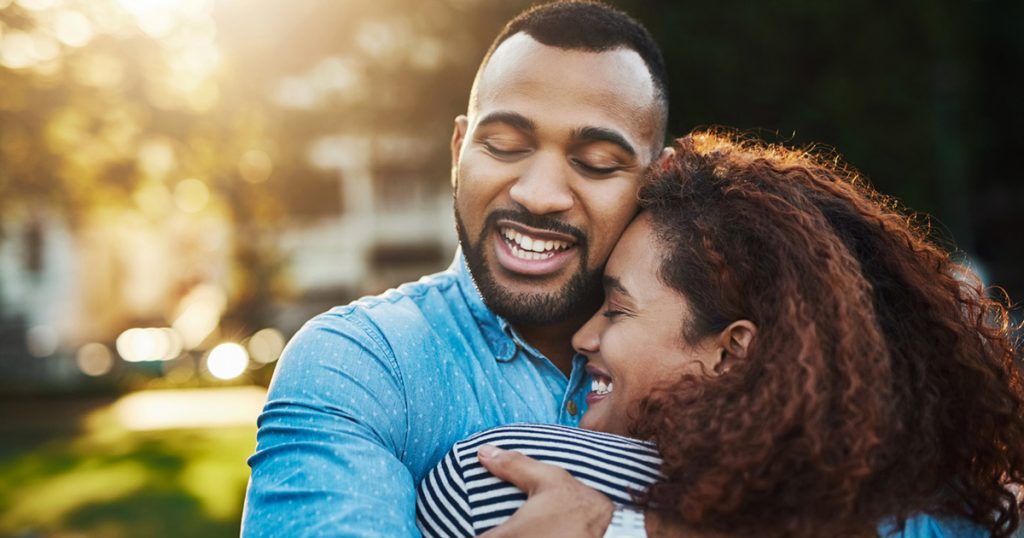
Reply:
x=611 y=282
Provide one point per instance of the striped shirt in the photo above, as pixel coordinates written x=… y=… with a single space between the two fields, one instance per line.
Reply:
x=461 y=498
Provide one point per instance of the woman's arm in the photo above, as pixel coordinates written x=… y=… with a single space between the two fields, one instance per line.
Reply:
x=442 y=502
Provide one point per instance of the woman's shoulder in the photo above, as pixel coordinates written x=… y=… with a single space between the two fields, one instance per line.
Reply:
x=615 y=465
x=538 y=436
x=594 y=457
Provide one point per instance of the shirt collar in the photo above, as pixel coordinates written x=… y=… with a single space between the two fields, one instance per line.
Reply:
x=501 y=336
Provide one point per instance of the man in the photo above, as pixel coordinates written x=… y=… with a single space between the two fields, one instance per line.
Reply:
x=567 y=110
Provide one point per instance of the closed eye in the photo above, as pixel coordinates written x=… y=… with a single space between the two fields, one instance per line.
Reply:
x=594 y=170
x=612 y=314
x=499 y=152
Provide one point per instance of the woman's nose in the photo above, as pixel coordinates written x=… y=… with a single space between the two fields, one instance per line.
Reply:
x=587 y=339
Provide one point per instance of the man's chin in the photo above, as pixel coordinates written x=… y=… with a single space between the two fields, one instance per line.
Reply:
x=530 y=299
x=527 y=300
x=526 y=283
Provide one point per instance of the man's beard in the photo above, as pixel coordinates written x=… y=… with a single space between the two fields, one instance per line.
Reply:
x=580 y=295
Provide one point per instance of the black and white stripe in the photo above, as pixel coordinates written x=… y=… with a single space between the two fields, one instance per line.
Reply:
x=460 y=498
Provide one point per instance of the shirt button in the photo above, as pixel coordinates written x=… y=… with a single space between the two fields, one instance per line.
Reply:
x=571 y=408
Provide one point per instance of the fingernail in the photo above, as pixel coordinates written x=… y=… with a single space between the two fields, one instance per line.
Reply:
x=489 y=451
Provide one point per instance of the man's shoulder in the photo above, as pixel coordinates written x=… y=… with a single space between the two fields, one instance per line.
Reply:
x=390 y=333
x=418 y=307
x=424 y=295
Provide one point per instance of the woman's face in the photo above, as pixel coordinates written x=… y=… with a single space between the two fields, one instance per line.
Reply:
x=635 y=341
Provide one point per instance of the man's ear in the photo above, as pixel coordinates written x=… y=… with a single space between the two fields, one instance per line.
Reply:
x=663 y=159
x=458 y=135
x=666 y=153
x=734 y=343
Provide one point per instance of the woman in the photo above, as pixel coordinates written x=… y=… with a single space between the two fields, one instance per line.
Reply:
x=805 y=361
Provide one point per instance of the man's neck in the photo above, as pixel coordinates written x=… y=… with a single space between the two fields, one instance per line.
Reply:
x=554 y=341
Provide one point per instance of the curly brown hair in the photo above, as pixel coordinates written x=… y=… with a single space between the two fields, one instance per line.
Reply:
x=881 y=382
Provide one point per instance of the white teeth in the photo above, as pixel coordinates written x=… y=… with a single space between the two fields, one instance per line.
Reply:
x=529 y=255
x=526 y=244
x=600 y=387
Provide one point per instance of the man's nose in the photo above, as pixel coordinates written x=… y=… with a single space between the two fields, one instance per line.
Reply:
x=543 y=187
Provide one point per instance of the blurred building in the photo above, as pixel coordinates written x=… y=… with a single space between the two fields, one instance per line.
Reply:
x=63 y=289
x=37 y=259
x=392 y=225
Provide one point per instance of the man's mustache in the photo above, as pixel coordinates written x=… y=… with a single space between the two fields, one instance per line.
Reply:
x=540 y=222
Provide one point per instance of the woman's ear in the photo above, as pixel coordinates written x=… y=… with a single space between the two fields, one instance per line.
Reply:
x=734 y=343
x=736 y=338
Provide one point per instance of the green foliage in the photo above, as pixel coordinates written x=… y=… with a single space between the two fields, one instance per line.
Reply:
x=113 y=483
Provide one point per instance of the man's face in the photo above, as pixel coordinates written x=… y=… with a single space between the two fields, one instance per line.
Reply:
x=546 y=169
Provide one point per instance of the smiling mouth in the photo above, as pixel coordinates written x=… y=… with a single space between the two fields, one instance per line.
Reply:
x=528 y=247
x=600 y=385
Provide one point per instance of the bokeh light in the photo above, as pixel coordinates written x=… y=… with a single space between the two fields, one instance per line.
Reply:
x=18 y=50
x=150 y=344
x=199 y=313
x=191 y=195
x=73 y=28
x=227 y=361
x=255 y=166
x=156 y=157
x=266 y=345
x=42 y=341
x=94 y=359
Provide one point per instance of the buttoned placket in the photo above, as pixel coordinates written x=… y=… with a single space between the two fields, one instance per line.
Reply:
x=573 y=403
x=506 y=343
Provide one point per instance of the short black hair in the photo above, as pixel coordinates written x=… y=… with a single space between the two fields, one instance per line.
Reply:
x=593 y=27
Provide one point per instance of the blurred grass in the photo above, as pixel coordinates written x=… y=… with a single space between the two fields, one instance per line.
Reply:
x=108 y=482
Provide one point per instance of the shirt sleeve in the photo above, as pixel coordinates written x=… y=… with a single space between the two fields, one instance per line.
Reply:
x=442 y=506
x=330 y=439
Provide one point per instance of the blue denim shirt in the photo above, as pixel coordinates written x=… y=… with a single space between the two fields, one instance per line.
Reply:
x=368 y=397
x=933 y=527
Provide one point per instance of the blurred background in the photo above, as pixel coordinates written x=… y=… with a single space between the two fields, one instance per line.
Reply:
x=184 y=182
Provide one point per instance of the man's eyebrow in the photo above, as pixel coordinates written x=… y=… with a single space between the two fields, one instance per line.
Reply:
x=615 y=284
x=512 y=119
x=602 y=134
